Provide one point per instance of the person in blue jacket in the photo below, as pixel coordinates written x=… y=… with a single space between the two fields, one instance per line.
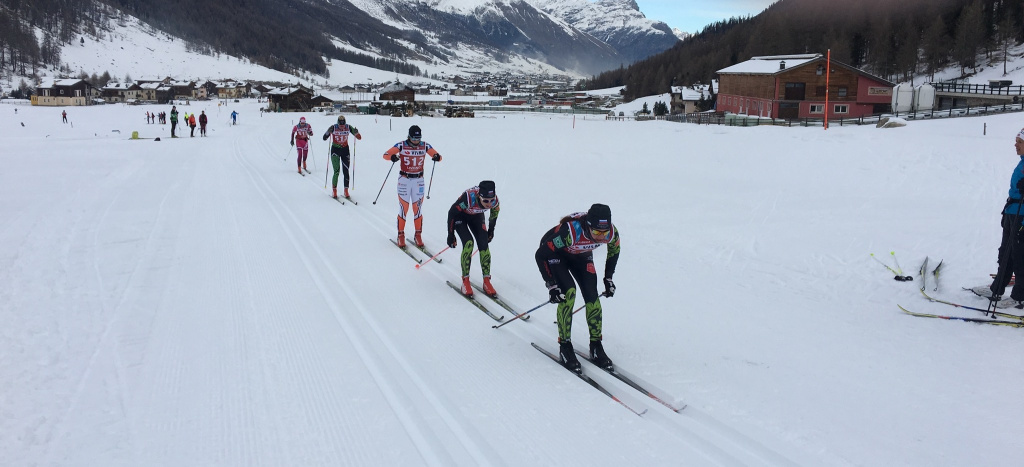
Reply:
x=1011 y=248
x=234 y=117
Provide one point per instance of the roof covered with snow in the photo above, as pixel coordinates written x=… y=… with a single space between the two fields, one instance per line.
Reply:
x=769 y=65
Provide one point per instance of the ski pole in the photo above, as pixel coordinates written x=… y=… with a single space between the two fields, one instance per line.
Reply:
x=327 y=165
x=896 y=261
x=431 y=259
x=308 y=144
x=531 y=310
x=603 y=294
x=385 y=182
x=898 y=277
x=431 y=184
x=353 y=165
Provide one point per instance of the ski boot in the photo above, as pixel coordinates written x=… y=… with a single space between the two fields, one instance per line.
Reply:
x=300 y=171
x=598 y=357
x=419 y=241
x=488 y=289
x=401 y=239
x=467 y=288
x=568 y=357
x=346 y=192
x=335 y=195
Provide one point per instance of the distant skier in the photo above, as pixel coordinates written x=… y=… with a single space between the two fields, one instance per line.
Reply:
x=566 y=253
x=412 y=152
x=202 y=123
x=234 y=117
x=301 y=132
x=1011 y=248
x=64 y=115
x=174 y=120
x=466 y=217
x=192 y=124
x=340 y=152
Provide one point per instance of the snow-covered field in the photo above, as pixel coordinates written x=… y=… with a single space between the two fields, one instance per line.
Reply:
x=196 y=302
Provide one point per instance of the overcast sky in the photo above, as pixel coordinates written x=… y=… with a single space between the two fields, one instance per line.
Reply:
x=692 y=15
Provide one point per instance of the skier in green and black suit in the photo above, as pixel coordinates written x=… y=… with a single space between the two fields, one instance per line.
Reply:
x=466 y=217
x=566 y=253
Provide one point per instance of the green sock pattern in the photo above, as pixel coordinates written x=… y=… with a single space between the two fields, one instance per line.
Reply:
x=564 y=315
x=336 y=162
x=594 y=320
x=485 y=262
x=467 y=257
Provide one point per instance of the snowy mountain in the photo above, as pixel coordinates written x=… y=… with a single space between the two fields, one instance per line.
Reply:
x=618 y=23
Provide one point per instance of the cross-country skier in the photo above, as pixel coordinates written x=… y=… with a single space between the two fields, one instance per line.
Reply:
x=413 y=152
x=174 y=120
x=234 y=117
x=466 y=217
x=340 y=153
x=301 y=132
x=202 y=123
x=1011 y=248
x=566 y=253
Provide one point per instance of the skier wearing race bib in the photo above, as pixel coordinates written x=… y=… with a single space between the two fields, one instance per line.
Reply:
x=340 y=153
x=566 y=253
x=413 y=152
x=466 y=217
x=301 y=134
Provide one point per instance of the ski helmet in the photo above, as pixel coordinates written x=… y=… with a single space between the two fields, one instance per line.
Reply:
x=302 y=119
x=415 y=133
x=341 y=119
x=599 y=217
x=487 y=189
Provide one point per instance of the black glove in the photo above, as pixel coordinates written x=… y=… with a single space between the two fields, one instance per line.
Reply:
x=325 y=137
x=291 y=142
x=451 y=240
x=609 y=287
x=394 y=158
x=555 y=293
x=490 y=235
x=436 y=157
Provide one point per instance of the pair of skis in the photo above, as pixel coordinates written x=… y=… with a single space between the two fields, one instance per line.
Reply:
x=1019 y=320
x=616 y=374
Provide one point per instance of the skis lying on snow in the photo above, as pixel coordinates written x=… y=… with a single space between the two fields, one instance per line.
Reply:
x=629 y=382
x=500 y=302
x=969 y=320
x=475 y=303
x=983 y=310
x=586 y=378
x=403 y=248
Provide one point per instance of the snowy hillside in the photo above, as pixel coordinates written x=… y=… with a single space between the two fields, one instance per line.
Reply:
x=196 y=301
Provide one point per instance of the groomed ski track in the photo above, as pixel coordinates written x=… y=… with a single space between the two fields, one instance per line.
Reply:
x=440 y=433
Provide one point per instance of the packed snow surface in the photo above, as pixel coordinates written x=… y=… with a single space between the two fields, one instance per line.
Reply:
x=195 y=301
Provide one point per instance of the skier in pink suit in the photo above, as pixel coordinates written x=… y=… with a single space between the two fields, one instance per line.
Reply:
x=301 y=134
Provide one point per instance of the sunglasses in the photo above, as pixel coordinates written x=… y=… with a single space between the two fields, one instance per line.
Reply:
x=487 y=201
x=601 y=235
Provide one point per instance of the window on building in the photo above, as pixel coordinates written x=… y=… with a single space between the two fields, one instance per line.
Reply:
x=62 y=92
x=817 y=108
x=841 y=109
x=842 y=91
x=820 y=71
x=795 y=91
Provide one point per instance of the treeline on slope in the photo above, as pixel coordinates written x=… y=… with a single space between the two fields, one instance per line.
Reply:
x=893 y=40
x=285 y=35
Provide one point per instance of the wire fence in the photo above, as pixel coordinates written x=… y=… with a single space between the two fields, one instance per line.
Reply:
x=714 y=118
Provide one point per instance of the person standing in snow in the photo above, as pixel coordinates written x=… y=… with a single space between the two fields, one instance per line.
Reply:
x=192 y=124
x=1011 y=248
x=234 y=117
x=202 y=123
x=174 y=120
x=412 y=151
x=466 y=217
x=566 y=253
x=64 y=115
x=302 y=132
x=340 y=152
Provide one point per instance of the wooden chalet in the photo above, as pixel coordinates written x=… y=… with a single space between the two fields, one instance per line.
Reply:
x=121 y=92
x=398 y=92
x=793 y=87
x=290 y=99
x=64 y=92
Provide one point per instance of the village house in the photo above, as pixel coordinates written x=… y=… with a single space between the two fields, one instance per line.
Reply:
x=685 y=98
x=182 y=90
x=290 y=99
x=120 y=92
x=793 y=87
x=206 y=90
x=397 y=92
x=233 y=90
x=64 y=92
